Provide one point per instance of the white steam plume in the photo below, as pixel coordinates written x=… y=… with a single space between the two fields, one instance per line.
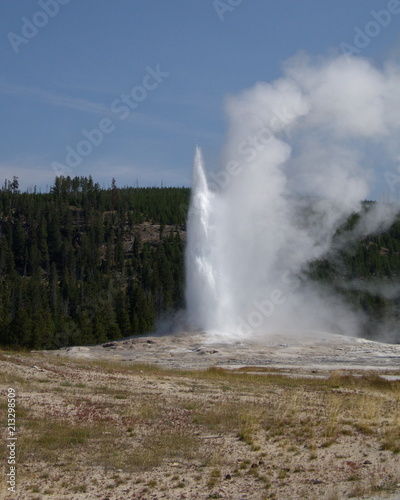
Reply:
x=301 y=156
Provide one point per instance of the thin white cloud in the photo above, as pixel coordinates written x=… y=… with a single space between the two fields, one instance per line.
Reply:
x=53 y=98
x=152 y=121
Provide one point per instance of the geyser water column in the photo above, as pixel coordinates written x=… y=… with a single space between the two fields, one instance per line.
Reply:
x=234 y=238
x=296 y=167
x=203 y=284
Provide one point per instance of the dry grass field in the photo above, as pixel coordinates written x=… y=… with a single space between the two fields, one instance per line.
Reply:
x=106 y=430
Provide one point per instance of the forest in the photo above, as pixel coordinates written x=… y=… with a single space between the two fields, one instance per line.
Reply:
x=82 y=265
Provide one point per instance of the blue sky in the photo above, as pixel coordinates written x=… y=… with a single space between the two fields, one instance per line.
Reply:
x=67 y=71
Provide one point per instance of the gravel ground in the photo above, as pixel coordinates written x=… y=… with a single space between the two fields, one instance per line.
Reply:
x=65 y=388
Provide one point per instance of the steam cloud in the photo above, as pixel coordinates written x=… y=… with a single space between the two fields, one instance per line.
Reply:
x=302 y=153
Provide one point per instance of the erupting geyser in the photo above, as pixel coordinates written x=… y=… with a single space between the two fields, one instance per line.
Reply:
x=300 y=156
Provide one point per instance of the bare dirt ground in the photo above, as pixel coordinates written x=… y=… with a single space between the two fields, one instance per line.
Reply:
x=147 y=418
